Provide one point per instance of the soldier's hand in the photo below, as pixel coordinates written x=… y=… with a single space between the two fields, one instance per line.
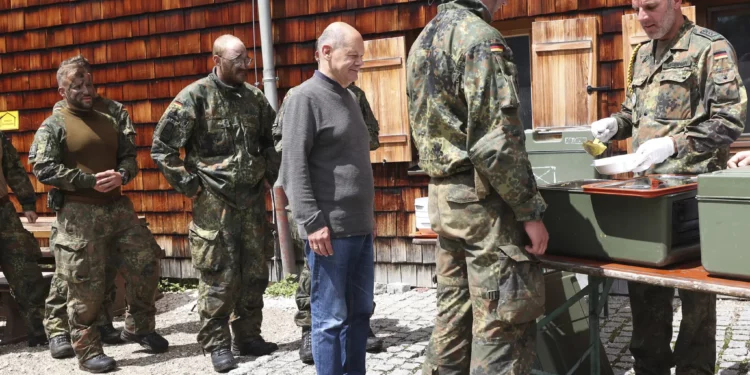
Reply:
x=30 y=216
x=107 y=181
x=320 y=242
x=604 y=129
x=538 y=235
x=654 y=151
x=740 y=159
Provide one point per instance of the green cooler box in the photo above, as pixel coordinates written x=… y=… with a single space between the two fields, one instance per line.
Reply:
x=557 y=154
x=654 y=231
x=724 y=204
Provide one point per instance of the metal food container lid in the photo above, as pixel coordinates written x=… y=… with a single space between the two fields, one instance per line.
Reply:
x=649 y=186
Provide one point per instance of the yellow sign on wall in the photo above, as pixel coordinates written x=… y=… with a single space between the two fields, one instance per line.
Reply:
x=9 y=120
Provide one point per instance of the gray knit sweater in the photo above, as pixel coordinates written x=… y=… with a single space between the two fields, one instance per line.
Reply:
x=325 y=165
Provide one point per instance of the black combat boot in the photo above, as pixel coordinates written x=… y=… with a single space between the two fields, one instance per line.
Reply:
x=223 y=360
x=254 y=347
x=305 y=350
x=110 y=335
x=99 y=364
x=153 y=342
x=59 y=347
x=374 y=344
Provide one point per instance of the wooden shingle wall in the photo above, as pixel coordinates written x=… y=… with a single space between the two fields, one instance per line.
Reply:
x=145 y=51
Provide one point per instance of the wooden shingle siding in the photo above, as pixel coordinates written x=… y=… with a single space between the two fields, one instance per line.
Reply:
x=145 y=51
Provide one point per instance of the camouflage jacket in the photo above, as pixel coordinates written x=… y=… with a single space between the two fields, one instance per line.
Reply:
x=226 y=133
x=49 y=146
x=694 y=94
x=373 y=128
x=14 y=175
x=463 y=105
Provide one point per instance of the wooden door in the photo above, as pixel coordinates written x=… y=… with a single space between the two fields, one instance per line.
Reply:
x=383 y=79
x=563 y=61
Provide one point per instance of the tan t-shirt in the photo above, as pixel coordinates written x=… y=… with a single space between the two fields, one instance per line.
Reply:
x=91 y=146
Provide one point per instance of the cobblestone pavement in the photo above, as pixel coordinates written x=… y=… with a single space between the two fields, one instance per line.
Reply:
x=404 y=321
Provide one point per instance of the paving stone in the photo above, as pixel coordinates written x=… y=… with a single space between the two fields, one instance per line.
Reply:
x=410 y=366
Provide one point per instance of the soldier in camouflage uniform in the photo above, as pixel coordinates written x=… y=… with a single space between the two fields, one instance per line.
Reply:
x=19 y=250
x=56 y=315
x=463 y=109
x=224 y=124
x=685 y=105
x=303 y=317
x=87 y=157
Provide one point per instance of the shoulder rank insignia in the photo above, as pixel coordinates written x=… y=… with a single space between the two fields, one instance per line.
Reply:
x=710 y=34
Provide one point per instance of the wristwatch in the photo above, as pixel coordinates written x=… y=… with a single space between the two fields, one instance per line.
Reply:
x=124 y=175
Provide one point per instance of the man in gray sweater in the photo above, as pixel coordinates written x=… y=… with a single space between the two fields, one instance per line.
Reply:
x=326 y=174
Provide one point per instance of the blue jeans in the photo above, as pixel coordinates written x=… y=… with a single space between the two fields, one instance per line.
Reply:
x=341 y=303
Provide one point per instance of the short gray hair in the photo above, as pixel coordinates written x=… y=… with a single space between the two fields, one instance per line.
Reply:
x=332 y=36
x=70 y=65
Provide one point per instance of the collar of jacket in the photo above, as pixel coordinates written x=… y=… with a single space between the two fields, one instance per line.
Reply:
x=474 y=6
x=681 y=41
x=221 y=85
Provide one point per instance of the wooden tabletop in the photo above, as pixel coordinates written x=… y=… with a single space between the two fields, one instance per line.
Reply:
x=688 y=275
x=40 y=229
x=43 y=226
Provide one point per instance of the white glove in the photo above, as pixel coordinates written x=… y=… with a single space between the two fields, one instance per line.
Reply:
x=654 y=151
x=604 y=129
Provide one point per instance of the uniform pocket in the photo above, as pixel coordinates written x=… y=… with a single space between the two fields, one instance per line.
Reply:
x=215 y=140
x=461 y=194
x=520 y=286
x=636 y=86
x=71 y=258
x=725 y=85
x=205 y=249
x=674 y=95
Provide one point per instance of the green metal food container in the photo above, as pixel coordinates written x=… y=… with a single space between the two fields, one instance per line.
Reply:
x=654 y=231
x=557 y=154
x=724 y=204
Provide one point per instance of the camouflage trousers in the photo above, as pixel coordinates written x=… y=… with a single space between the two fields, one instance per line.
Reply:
x=695 y=350
x=56 y=308
x=88 y=237
x=19 y=253
x=490 y=291
x=230 y=250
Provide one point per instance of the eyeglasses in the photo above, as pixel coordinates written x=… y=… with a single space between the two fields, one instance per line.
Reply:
x=239 y=60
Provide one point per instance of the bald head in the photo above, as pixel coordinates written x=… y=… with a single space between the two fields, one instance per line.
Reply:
x=340 y=49
x=336 y=35
x=226 y=43
x=231 y=60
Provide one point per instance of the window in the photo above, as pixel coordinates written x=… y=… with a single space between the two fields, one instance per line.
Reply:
x=734 y=23
x=521 y=47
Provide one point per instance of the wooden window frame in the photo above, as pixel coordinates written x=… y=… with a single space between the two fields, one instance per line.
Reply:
x=743 y=142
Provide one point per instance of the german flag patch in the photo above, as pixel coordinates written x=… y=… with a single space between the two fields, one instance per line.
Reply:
x=720 y=55
x=177 y=104
x=497 y=47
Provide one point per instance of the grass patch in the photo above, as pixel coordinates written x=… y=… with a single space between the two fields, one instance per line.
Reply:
x=727 y=338
x=284 y=288
x=176 y=285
